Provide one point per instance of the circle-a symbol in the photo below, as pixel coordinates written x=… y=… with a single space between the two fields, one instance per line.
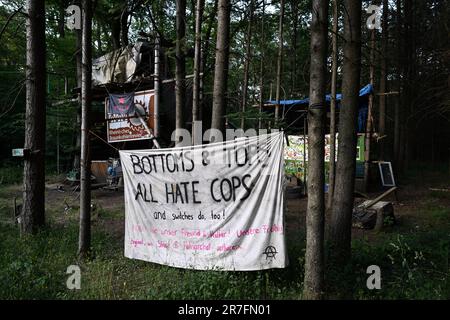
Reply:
x=270 y=252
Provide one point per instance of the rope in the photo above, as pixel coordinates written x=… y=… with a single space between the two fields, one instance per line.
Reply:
x=318 y=105
x=106 y=142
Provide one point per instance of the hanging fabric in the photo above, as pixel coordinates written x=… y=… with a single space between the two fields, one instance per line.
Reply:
x=122 y=104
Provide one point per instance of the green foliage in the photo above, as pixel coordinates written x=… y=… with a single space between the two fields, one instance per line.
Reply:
x=413 y=266
x=11 y=175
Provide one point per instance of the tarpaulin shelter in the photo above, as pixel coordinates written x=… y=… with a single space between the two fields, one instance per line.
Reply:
x=289 y=106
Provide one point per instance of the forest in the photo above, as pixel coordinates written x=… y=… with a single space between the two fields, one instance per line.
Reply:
x=351 y=85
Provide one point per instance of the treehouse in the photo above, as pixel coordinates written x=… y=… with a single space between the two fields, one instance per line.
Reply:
x=293 y=114
x=143 y=71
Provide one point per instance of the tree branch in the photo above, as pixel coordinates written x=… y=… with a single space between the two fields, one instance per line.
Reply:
x=11 y=16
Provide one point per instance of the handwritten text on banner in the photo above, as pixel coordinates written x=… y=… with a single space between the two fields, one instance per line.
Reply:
x=216 y=206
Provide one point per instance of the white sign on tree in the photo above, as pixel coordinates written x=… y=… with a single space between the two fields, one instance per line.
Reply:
x=216 y=206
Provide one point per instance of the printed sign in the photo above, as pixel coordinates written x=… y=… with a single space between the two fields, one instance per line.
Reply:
x=127 y=121
x=208 y=207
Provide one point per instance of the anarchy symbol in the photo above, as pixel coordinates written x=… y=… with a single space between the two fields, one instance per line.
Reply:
x=270 y=252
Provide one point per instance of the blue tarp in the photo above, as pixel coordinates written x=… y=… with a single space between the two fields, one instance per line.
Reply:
x=363 y=92
x=362 y=112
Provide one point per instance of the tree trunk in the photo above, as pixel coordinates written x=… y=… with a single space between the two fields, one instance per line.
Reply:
x=368 y=134
x=115 y=32
x=61 y=21
x=180 y=81
x=334 y=67
x=247 y=63
x=383 y=72
x=33 y=209
x=196 y=103
x=206 y=42
x=279 y=61
x=124 y=26
x=315 y=215
x=76 y=160
x=99 y=39
x=341 y=217
x=261 y=66
x=409 y=79
x=221 y=67
x=84 y=243
x=295 y=16
x=398 y=104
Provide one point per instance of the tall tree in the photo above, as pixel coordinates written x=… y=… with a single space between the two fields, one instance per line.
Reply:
x=180 y=81
x=248 y=42
x=261 y=64
x=334 y=67
x=221 y=67
x=383 y=80
x=196 y=104
x=369 y=124
x=78 y=58
x=293 y=72
x=206 y=41
x=315 y=214
x=124 y=15
x=33 y=210
x=341 y=216
x=84 y=243
x=61 y=18
x=397 y=112
x=279 y=61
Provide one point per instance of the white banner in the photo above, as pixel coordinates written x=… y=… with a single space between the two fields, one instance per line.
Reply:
x=216 y=206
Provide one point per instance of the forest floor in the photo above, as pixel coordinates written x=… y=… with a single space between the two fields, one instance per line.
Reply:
x=412 y=254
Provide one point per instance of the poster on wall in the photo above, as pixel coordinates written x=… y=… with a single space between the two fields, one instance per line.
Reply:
x=129 y=120
x=207 y=207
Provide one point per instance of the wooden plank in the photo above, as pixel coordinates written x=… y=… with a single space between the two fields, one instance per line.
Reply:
x=380 y=197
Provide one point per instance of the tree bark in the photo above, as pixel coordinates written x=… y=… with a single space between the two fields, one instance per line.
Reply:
x=84 y=243
x=398 y=105
x=341 y=216
x=334 y=67
x=196 y=103
x=248 y=47
x=206 y=42
x=261 y=65
x=279 y=61
x=180 y=81
x=221 y=67
x=383 y=72
x=33 y=209
x=295 y=17
x=124 y=26
x=369 y=124
x=315 y=215
x=61 y=21
x=76 y=160
x=99 y=39
x=115 y=32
